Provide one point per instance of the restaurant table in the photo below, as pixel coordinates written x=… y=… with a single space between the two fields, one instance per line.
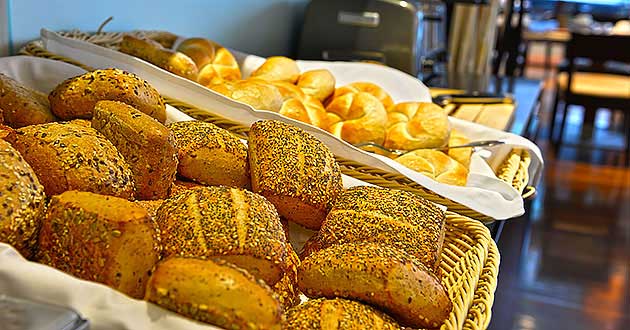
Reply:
x=548 y=38
x=525 y=92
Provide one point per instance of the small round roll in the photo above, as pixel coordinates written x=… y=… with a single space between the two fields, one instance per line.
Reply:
x=278 y=68
x=415 y=125
x=319 y=84
x=366 y=87
x=340 y=314
x=216 y=64
x=436 y=165
x=257 y=94
x=356 y=118
x=308 y=110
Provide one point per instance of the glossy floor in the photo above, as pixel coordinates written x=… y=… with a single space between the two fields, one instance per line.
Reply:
x=566 y=264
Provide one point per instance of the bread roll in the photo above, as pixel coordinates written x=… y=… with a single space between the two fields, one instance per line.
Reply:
x=319 y=84
x=340 y=314
x=216 y=64
x=294 y=171
x=379 y=275
x=462 y=155
x=308 y=110
x=76 y=97
x=365 y=87
x=153 y=52
x=235 y=225
x=22 y=199
x=215 y=292
x=436 y=165
x=287 y=90
x=164 y=38
x=148 y=146
x=416 y=125
x=210 y=155
x=357 y=118
x=257 y=94
x=100 y=238
x=278 y=68
x=21 y=106
x=386 y=216
x=67 y=156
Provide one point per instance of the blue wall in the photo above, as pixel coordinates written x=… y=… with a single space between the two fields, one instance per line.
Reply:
x=264 y=27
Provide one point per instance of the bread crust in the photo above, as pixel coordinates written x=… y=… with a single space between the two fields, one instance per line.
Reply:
x=215 y=292
x=436 y=165
x=147 y=146
x=382 y=276
x=416 y=125
x=232 y=224
x=356 y=118
x=294 y=171
x=210 y=155
x=75 y=97
x=100 y=238
x=216 y=63
x=22 y=199
x=69 y=156
x=319 y=84
x=278 y=68
x=366 y=87
x=342 y=314
x=21 y=106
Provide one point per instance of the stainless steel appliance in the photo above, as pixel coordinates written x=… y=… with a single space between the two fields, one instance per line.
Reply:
x=394 y=33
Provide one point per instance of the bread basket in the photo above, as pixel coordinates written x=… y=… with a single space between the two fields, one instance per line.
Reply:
x=470 y=259
x=350 y=167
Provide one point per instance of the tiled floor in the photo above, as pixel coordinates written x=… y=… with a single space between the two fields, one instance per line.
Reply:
x=566 y=264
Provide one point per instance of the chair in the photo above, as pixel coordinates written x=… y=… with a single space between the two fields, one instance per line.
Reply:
x=595 y=75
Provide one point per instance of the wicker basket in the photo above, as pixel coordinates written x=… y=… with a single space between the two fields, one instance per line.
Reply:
x=470 y=258
x=349 y=167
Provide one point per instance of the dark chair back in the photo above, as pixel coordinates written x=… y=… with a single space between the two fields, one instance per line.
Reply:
x=599 y=48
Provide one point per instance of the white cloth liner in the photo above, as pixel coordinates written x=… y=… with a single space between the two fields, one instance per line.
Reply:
x=485 y=193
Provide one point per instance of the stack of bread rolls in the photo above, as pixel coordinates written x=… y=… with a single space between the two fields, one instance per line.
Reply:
x=358 y=113
x=190 y=218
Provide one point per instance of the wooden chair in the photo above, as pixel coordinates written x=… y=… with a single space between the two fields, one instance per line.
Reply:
x=596 y=85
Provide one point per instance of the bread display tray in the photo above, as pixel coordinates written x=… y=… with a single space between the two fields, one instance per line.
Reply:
x=469 y=263
x=488 y=197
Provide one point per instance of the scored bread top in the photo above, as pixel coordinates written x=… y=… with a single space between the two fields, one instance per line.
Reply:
x=21 y=106
x=288 y=162
x=338 y=314
x=193 y=135
x=393 y=217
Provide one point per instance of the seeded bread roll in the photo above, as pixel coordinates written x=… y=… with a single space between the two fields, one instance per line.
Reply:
x=100 y=238
x=215 y=292
x=148 y=146
x=386 y=216
x=233 y=224
x=21 y=106
x=76 y=97
x=153 y=52
x=67 y=156
x=210 y=155
x=151 y=206
x=22 y=199
x=379 y=275
x=339 y=314
x=180 y=186
x=296 y=172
